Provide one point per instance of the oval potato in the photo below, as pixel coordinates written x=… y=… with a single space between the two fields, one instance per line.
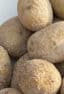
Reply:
x=48 y=43
x=35 y=14
x=36 y=77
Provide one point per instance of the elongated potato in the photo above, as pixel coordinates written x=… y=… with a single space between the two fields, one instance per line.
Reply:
x=9 y=91
x=48 y=43
x=35 y=14
x=5 y=68
x=58 y=6
x=13 y=37
x=36 y=77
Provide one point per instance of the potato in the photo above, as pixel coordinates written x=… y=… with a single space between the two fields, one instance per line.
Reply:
x=62 y=88
x=13 y=36
x=58 y=6
x=35 y=14
x=60 y=67
x=48 y=43
x=5 y=68
x=9 y=91
x=36 y=77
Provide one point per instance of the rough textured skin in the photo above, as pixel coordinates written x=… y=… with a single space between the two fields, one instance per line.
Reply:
x=60 y=67
x=36 y=77
x=58 y=6
x=35 y=14
x=62 y=88
x=9 y=91
x=5 y=68
x=13 y=37
x=48 y=43
x=21 y=60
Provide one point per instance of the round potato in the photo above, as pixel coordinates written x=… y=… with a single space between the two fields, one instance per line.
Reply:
x=13 y=37
x=58 y=6
x=62 y=88
x=5 y=68
x=35 y=14
x=36 y=77
x=9 y=91
x=48 y=43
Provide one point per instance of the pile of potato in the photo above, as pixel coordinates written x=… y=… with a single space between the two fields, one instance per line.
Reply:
x=32 y=49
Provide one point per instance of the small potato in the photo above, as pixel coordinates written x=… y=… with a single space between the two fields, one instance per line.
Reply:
x=62 y=88
x=35 y=14
x=48 y=43
x=36 y=77
x=5 y=68
x=58 y=6
x=13 y=37
x=9 y=91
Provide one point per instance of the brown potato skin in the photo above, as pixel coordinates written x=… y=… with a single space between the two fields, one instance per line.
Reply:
x=48 y=43
x=5 y=68
x=30 y=77
x=13 y=37
x=9 y=91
